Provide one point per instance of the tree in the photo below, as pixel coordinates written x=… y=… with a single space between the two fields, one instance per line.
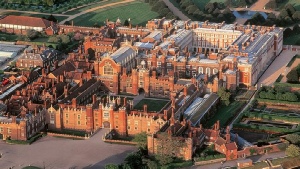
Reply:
x=296 y=16
x=91 y=54
x=152 y=164
x=290 y=9
x=292 y=150
x=224 y=94
x=289 y=96
x=292 y=76
x=53 y=39
x=287 y=32
x=32 y=34
x=141 y=139
x=52 y=18
x=134 y=160
x=293 y=138
x=126 y=22
x=209 y=7
x=65 y=39
x=111 y=166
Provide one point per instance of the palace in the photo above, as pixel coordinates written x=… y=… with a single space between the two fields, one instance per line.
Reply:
x=180 y=62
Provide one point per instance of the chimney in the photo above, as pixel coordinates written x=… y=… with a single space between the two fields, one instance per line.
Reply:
x=56 y=64
x=227 y=136
x=74 y=103
x=145 y=108
x=124 y=101
x=13 y=119
x=43 y=72
x=154 y=73
x=94 y=98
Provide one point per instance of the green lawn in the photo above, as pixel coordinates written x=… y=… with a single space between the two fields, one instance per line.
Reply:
x=152 y=105
x=138 y=12
x=224 y=114
x=59 y=18
x=78 y=10
x=8 y=37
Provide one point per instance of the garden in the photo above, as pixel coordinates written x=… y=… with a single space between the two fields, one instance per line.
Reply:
x=140 y=16
x=208 y=153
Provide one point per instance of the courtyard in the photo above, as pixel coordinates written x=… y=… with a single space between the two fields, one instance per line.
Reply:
x=52 y=153
x=152 y=104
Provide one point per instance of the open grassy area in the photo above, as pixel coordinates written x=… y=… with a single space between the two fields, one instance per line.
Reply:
x=152 y=105
x=138 y=12
x=224 y=114
x=291 y=40
x=78 y=10
x=59 y=18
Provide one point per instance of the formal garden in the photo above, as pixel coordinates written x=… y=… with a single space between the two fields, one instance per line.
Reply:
x=153 y=105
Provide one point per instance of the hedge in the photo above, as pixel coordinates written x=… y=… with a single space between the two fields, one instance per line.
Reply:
x=264 y=128
x=277 y=101
x=273 y=117
x=210 y=157
x=29 y=141
x=69 y=132
x=286 y=84
x=178 y=165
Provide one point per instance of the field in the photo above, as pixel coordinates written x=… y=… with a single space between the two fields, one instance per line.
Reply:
x=59 y=18
x=152 y=105
x=138 y=12
x=224 y=114
x=80 y=9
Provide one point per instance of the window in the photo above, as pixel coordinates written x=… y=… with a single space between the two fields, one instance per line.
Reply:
x=208 y=71
x=135 y=128
x=1 y=129
x=169 y=64
x=128 y=127
x=78 y=122
x=215 y=71
x=78 y=116
x=148 y=130
x=201 y=70
x=9 y=130
x=67 y=115
x=158 y=64
x=117 y=127
x=108 y=70
x=106 y=114
x=52 y=118
x=148 y=123
x=136 y=122
x=67 y=121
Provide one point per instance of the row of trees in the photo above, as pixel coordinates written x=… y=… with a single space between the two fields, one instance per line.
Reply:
x=211 y=11
x=293 y=150
x=294 y=75
x=277 y=93
x=161 y=8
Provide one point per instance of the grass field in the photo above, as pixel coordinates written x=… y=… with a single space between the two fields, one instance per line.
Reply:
x=291 y=40
x=224 y=114
x=152 y=105
x=78 y=10
x=59 y=18
x=138 y=12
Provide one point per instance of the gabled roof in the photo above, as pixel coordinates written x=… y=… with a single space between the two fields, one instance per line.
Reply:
x=220 y=141
x=67 y=67
x=25 y=21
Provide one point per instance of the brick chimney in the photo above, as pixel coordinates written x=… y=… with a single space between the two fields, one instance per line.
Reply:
x=145 y=108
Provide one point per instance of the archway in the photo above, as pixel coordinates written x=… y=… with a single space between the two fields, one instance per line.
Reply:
x=106 y=124
x=141 y=91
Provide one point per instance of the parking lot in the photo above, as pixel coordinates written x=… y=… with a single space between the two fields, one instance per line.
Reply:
x=52 y=153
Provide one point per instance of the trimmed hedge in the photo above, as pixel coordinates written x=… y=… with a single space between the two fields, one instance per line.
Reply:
x=277 y=101
x=286 y=85
x=29 y=141
x=178 y=165
x=267 y=116
x=264 y=128
x=69 y=132
x=210 y=157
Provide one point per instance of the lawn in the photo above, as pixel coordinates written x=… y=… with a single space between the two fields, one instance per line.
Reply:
x=152 y=105
x=138 y=12
x=224 y=114
x=291 y=40
x=59 y=18
x=78 y=10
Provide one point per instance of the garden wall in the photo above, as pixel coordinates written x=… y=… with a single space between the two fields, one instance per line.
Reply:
x=210 y=161
x=65 y=135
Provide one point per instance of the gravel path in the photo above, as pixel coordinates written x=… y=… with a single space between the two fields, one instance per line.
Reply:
x=176 y=11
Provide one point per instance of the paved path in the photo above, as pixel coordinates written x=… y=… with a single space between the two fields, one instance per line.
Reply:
x=176 y=11
x=276 y=68
x=84 y=6
x=95 y=8
x=233 y=163
x=54 y=153
x=259 y=5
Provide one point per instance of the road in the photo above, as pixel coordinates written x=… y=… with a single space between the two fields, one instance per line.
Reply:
x=53 y=153
x=93 y=9
x=233 y=163
x=176 y=11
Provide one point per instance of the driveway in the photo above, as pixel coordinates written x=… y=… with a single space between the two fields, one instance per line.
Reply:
x=176 y=11
x=52 y=153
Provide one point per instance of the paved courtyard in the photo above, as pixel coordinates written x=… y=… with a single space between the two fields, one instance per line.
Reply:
x=54 y=153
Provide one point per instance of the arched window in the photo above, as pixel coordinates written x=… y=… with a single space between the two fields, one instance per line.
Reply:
x=208 y=71
x=108 y=70
x=215 y=71
x=201 y=70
